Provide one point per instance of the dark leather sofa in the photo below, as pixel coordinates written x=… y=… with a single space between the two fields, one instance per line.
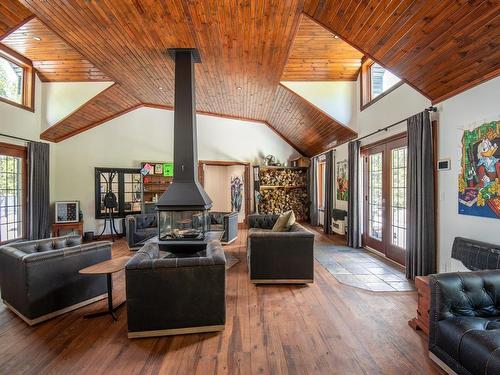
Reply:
x=170 y=294
x=40 y=279
x=139 y=228
x=226 y=222
x=279 y=257
x=464 y=327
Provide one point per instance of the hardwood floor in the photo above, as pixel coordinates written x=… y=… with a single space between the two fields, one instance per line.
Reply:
x=322 y=328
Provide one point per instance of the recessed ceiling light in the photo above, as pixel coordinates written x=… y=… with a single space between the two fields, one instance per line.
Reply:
x=238 y=88
x=336 y=36
x=37 y=38
x=160 y=88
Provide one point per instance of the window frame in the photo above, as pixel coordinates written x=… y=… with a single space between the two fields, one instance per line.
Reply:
x=17 y=151
x=120 y=194
x=366 y=99
x=28 y=95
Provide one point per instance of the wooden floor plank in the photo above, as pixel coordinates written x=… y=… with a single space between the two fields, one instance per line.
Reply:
x=321 y=328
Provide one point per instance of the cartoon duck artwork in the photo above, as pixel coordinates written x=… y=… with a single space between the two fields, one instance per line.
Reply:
x=479 y=179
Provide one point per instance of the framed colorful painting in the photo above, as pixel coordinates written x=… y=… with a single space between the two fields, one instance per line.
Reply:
x=479 y=178
x=341 y=181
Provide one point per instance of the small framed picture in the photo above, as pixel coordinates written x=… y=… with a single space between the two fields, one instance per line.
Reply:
x=158 y=168
x=67 y=212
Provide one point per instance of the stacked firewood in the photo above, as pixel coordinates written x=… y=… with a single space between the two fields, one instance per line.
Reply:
x=277 y=201
x=283 y=177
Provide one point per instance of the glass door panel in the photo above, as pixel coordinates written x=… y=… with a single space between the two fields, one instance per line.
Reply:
x=384 y=176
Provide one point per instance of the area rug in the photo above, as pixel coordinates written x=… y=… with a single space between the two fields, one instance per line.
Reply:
x=231 y=260
x=360 y=268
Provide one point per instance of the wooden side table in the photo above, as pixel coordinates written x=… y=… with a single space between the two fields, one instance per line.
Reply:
x=56 y=227
x=421 y=321
x=108 y=267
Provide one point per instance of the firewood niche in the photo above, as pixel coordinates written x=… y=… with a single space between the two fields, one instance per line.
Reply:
x=279 y=189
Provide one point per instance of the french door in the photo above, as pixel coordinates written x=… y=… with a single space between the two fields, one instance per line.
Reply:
x=384 y=180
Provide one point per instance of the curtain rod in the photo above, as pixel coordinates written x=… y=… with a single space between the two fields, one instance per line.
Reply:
x=430 y=109
x=18 y=138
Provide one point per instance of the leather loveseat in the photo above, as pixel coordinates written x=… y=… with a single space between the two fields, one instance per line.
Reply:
x=226 y=222
x=170 y=294
x=139 y=228
x=40 y=279
x=279 y=257
x=464 y=327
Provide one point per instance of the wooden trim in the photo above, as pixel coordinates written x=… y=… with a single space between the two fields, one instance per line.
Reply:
x=53 y=314
x=365 y=86
x=175 y=331
x=366 y=53
x=385 y=140
x=28 y=99
x=19 y=152
x=248 y=199
x=281 y=281
x=441 y=364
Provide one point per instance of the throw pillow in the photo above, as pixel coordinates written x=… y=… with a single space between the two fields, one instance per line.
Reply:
x=282 y=222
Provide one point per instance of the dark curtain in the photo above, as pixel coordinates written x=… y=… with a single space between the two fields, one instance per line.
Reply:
x=38 y=182
x=329 y=199
x=313 y=191
x=353 y=210
x=421 y=236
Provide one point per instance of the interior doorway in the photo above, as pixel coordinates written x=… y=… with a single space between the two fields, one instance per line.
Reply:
x=224 y=181
x=384 y=197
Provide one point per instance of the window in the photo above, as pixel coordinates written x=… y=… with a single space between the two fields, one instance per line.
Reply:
x=16 y=80
x=125 y=183
x=376 y=81
x=12 y=192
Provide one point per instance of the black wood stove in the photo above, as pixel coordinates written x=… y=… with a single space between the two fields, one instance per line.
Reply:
x=183 y=209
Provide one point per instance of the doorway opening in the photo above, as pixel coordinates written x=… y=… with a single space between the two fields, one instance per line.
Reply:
x=227 y=183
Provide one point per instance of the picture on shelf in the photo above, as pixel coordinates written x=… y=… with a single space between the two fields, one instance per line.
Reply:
x=67 y=212
x=341 y=181
x=158 y=168
x=168 y=169
x=479 y=178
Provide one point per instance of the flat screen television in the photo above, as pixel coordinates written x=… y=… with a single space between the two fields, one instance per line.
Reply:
x=67 y=212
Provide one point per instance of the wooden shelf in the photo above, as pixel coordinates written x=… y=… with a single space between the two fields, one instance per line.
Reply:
x=273 y=167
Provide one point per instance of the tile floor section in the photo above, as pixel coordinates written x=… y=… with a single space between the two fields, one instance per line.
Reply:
x=360 y=268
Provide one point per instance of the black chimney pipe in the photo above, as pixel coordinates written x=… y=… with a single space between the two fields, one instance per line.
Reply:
x=185 y=192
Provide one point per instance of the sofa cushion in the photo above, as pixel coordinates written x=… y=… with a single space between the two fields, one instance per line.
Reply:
x=450 y=332
x=476 y=349
x=281 y=224
x=146 y=221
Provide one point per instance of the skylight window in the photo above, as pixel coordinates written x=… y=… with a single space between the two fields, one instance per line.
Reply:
x=381 y=80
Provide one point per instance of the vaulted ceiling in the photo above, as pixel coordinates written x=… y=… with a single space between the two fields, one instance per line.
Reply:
x=440 y=47
x=319 y=55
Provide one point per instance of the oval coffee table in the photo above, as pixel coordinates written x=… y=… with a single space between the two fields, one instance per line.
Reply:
x=107 y=268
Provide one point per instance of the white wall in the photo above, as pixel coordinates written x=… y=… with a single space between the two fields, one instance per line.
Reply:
x=22 y=123
x=338 y=99
x=147 y=134
x=469 y=109
x=59 y=99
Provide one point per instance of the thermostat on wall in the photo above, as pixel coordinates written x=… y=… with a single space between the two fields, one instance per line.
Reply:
x=444 y=165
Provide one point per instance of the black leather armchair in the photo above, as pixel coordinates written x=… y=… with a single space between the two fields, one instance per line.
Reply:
x=227 y=222
x=279 y=257
x=464 y=327
x=139 y=228
x=170 y=294
x=40 y=279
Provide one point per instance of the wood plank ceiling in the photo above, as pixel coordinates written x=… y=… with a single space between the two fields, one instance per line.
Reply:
x=12 y=13
x=440 y=47
x=319 y=55
x=52 y=57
